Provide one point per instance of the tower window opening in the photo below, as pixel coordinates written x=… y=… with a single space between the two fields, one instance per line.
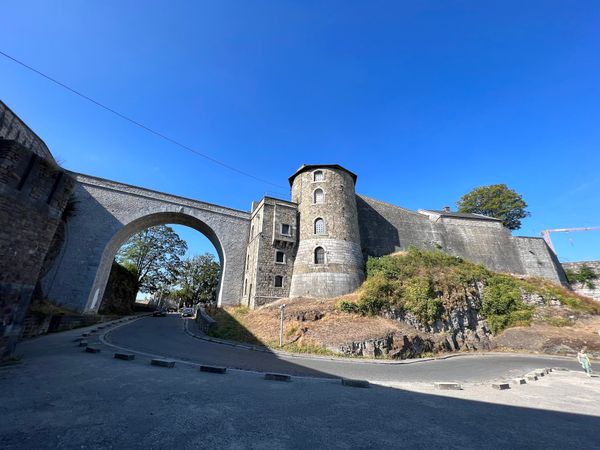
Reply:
x=318 y=196
x=278 y=281
x=318 y=175
x=319 y=255
x=285 y=229
x=280 y=257
x=319 y=226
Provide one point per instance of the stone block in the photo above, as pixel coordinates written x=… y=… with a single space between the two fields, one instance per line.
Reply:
x=519 y=381
x=213 y=369
x=531 y=377
x=83 y=343
x=445 y=386
x=124 y=356
x=355 y=383
x=163 y=363
x=277 y=377
x=501 y=386
x=89 y=349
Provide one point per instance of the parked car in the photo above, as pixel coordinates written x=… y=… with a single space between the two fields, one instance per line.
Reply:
x=187 y=312
x=160 y=312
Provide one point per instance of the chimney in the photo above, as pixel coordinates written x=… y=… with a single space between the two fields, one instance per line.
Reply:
x=446 y=209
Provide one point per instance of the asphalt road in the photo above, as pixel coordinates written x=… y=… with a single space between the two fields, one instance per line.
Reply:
x=165 y=336
x=60 y=397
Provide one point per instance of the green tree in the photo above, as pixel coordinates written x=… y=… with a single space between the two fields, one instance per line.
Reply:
x=199 y=279
x=154 y=256
x=498 y=201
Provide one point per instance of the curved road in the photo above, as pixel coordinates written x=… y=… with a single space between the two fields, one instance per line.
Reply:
x=165 y=336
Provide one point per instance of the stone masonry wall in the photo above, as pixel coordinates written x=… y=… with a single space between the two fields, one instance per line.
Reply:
x=267 y=240
x=342 y=270
x=387 y=228
x=13 y=128
x=33 y=194
x=578 y=287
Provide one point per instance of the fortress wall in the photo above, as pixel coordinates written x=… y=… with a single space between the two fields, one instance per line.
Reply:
x=484 y=242
x=13 y=128
x=386 y=228
x=33 y=194
x=538 y=260
x=578 y=287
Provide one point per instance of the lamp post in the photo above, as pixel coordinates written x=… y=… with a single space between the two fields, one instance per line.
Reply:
x=281 y=310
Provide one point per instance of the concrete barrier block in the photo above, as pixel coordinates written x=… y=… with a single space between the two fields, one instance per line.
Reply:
x=124 y=356
x=277 y=377
x=163 y=363
x=83 y=343
x=92 y=349
x=501 y=386
x=355 y=383
x=445 y=386
x=85 y=334
x=560 y=369
x=531 y=377
x=213 y=369
x=519 y=381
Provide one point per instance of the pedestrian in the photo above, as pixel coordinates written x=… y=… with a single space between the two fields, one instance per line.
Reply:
x=584 y=360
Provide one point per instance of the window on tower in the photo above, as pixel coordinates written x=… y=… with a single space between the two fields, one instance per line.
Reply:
x=318 y=196
x=319 y=226
x=318 y=175
x=319 y=255
x=278 y=281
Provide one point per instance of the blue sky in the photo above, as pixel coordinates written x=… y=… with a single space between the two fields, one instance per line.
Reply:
x=423 y=100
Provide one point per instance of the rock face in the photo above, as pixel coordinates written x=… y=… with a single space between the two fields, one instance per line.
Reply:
x=393 y=346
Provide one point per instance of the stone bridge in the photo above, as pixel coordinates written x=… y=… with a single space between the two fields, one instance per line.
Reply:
x=107 y=213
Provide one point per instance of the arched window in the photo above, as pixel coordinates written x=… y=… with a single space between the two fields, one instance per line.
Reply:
x=319 y=255
x=278 y=281
x=318 y=196
x=318 y=175
x=319 y=226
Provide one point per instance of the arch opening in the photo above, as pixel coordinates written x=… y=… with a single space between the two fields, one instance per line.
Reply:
x=143 y=223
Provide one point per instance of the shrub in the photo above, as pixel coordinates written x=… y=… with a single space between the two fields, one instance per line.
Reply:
x=502 y=304
x=585 y=276
x=420 y=300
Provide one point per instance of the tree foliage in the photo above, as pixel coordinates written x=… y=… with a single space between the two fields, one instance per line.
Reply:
x=496 y=200
x=199 y=279
x=154 y=256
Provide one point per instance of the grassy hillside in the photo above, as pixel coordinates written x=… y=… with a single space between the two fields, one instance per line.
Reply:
x=431 y=284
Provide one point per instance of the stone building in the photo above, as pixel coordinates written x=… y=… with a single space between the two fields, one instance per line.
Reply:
x=317 y=244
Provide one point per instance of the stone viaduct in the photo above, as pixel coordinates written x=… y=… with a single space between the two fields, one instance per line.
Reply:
x=107 y=213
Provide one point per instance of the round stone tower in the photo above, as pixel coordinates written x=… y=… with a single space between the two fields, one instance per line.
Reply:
x=329 y=260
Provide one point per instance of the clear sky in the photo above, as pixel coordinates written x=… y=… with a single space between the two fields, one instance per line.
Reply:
x=424 y=100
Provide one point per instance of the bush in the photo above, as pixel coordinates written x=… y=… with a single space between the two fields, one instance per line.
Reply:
x=585 y=276
x=502 y=304
x=420 y=300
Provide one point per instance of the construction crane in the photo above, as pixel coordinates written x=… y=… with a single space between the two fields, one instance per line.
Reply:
x=546 y=233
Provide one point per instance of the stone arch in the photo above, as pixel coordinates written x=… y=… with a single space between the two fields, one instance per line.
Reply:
x=109 y=212
x=140 y=224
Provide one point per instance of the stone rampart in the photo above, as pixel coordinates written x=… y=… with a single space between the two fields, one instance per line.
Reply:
x=14 y=129
x=33 y=194
x=593 y=292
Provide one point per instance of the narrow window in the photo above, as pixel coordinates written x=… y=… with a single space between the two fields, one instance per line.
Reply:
x=319 y=255
x=319 y=226
x=245 y=286
x=318 y=196
x=278 y=281
x=285 y=229
x=318 y=175
x=280 y=256
x=247 y=262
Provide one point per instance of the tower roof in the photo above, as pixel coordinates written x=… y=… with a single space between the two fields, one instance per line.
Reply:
x=307 y=167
